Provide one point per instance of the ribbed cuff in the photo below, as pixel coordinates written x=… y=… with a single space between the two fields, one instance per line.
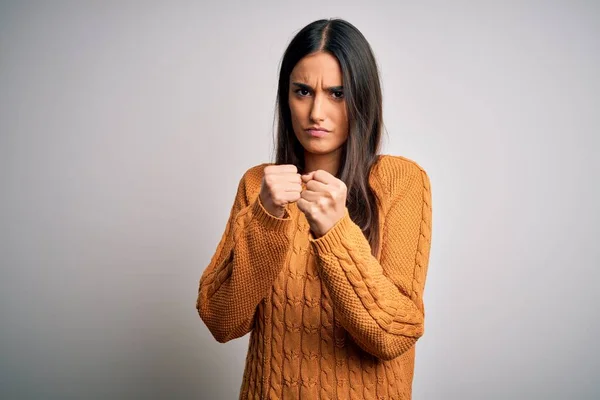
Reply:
x=333 y=238
x=266 y=219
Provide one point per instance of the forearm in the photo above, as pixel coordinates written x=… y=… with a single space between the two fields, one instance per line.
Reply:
x=242 y=273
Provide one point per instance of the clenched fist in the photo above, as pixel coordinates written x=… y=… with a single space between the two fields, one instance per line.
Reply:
x=323 y=202
x=281 y=184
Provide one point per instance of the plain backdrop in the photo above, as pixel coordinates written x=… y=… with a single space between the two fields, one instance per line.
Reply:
x=125 y=128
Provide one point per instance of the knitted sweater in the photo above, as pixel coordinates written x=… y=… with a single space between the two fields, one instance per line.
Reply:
x=328 y=320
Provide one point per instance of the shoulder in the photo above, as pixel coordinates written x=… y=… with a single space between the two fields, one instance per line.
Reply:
x=254 y=174
x=251 y=180
x=395 y=174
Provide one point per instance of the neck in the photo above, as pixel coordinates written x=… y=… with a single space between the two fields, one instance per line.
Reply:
x=329 y=162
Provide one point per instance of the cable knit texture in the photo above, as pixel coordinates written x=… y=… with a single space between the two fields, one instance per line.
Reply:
x=328 y=320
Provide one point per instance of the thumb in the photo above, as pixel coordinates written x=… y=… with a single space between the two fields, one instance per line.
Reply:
x=307 y=177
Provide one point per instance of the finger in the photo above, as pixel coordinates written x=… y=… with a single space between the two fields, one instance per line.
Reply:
x=291 y=197
x=311 y=196
x=283 y=181
x=293 y=178
x=286 y=169
x=281 y=169
x=323 y=176
x=307 y=177
x=303 y=205
x=317 y=186
x=287 y=197
x=286 y=179
x=294 y=187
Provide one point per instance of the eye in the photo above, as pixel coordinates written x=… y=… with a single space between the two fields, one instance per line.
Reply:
x=338 y=94
x=302 y=92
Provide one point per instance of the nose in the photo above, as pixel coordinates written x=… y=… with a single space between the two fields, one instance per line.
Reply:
x=316 y=112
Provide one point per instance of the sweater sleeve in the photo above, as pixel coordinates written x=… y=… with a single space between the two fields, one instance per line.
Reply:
x=380 y=302
x=248 y=258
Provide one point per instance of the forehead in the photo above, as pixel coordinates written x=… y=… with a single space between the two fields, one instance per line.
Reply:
x=318 y=67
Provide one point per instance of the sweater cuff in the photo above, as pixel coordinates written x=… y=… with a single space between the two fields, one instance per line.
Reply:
x=266 y=219
x=333 y=238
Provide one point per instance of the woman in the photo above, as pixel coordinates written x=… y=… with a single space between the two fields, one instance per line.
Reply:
x=325 y=253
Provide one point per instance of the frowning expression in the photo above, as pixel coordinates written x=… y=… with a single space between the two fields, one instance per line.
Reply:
x=317 y=103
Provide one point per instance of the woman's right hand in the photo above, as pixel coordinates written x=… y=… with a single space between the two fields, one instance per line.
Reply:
x=281 y=184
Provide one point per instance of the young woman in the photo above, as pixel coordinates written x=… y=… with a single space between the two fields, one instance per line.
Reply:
x=325 y=253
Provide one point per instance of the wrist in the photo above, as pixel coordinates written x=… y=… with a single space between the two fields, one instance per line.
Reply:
x=278 y=212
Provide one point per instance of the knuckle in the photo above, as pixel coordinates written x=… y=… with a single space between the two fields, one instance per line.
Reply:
x=314 y=209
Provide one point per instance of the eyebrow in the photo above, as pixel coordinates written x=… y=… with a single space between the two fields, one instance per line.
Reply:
x=307 y=87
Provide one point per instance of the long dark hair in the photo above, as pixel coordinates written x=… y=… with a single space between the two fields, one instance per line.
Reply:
x=362 y=91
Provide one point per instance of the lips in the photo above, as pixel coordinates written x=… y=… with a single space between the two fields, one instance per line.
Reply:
x=317 y=132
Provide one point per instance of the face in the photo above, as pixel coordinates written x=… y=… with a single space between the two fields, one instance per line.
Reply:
x=317 y=104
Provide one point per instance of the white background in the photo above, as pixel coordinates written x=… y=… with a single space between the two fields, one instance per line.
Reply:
x=126 y=126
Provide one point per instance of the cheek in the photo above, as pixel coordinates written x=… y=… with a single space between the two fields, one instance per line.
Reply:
x=341 y=116
x=296 y=114
x=297 y=110
x=293 y=108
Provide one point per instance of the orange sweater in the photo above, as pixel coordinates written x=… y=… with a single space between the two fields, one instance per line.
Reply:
x=328 y=320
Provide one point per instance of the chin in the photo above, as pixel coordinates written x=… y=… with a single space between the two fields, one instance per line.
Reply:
x=321 y=150
x=318 y=148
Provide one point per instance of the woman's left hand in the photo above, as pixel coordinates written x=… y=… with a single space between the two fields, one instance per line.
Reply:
x=323 y=202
